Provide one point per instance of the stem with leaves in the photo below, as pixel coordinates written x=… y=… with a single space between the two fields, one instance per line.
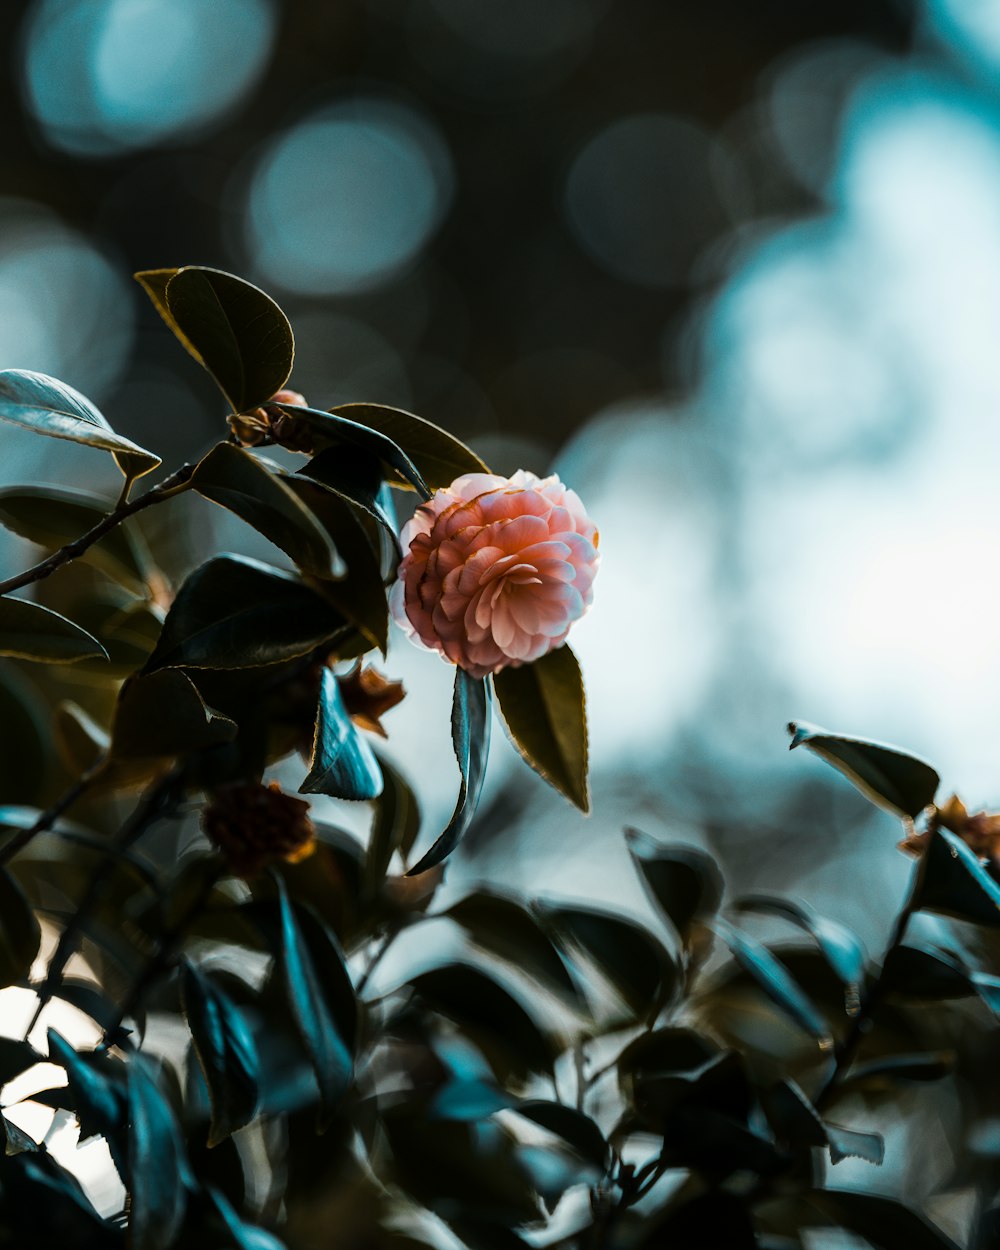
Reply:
x=172 y=485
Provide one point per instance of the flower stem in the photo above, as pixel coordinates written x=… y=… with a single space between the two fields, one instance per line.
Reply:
x=172 y=485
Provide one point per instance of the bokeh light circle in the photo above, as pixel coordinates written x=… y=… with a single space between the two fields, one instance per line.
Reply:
x=106 y=77
x=345 y=200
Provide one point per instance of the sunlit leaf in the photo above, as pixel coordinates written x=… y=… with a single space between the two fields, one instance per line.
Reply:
x=329 y=1052
x=775 y=980
x=31 y=632
x=48 y=406
x=234 y=612
x=226 y=1051
x=163 y=714
x=237 y=480
x=20 y=934
x=53 y=516
x=889 y=777
x=438 y=455
x=544 y=709
x=682 y=881
x=231 y=327
x=157 y=1164
x=343 y=765
x=470 y=735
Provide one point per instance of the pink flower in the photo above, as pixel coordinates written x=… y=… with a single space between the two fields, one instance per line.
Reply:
x=495 y=570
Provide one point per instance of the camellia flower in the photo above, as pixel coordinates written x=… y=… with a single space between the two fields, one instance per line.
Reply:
x=496 y=570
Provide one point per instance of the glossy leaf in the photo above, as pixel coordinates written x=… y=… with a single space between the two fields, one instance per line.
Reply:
x=20 y=934
x=330 y=430
x=712 y=1221
x=775 y=980
x=633 y=960
x=355 y=475
x=53 y=516
x=234 y=612
x=438 y=455
x=841 y=948
x=226 y=1052
x=488 y=1014
x=158 y=1166
x=31 y=632
x=343 y=765
x=231 y=327
x=889 y=777
x=953 y=882
x=575 y=1128
x=163 y=714
x=882 y=1221
x=237 y=480
x=683 y=882
x=328 y=1051
x=48 y=406
x=505 y=927
x=470 y=736
x=544 y=709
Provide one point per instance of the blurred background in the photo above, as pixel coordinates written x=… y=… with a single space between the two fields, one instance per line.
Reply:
x=732 y=269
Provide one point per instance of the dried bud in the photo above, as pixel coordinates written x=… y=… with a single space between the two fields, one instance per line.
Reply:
x=980 y=832
x=264 y=425
x=253 y=824
x=368 y=695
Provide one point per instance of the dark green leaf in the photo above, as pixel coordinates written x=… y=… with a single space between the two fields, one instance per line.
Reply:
x=53 y=516
x=31 y=632
x=575 y=1128
x=329 y=1053
x=80 y=740
x=163 y=714
x=238 y=613
x=237 y=480
x=504 y=926
x=775 y=980
x=355 y=475
x=245 y=1236
x=489 y=1014
x=841 y=948
x=331 y=430
x=97 y=1086
x=226 y=1051
x=470 y=736
x=544 y=709
x=343 y=765
x=154 y=283
x=889 y=777
x=635 y=963
x=888 y=1069
x=47 y=406
x=16 y=1140
x=882 y=1221
x=662 y=1052
x=20 y=934
x=438 y=455
x=953 y=882
x=16 y=1057
x=926 y=973
x=682 y=881
x=237 y=332
x=713 y=1221
x=158 y=1166
x=795 y=1120
x=394 y=827
x=27 y=755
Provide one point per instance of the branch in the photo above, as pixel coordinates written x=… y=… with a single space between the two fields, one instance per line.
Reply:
x=49 y=817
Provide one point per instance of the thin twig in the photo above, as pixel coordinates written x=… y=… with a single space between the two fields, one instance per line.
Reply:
x=49 y=817
x=71 y=551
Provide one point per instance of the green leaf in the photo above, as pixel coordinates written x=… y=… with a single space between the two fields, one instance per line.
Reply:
x=355 y=476
x=237 y=480
x=31 y=632
x=544 y=709
x=796 y=1120
x=953 y=882
x=887 y=1224
x=575 y=1128
x=841 y=948
x=329 y=1052
x=394 y=827
x=16 y=1056
x=20 y=935
x=27 y=754
x=226 y=1051
x=683 y=882
x=889 y=777
x=163 y=714
x=925 y=972
x=343 y=765
x=438 y=455
x=53 y=516
x=888 y=1069
x=158 y=1165
x=504 y=927
x=709 y=1222
x=48 y=406
x=633 y=960
x=331 y=430
x=98 y=1088
x=470 y=736
x=234 y=612
x=491 y=1017
x=231 y=327
x=775 y=980
x=245 y=1236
